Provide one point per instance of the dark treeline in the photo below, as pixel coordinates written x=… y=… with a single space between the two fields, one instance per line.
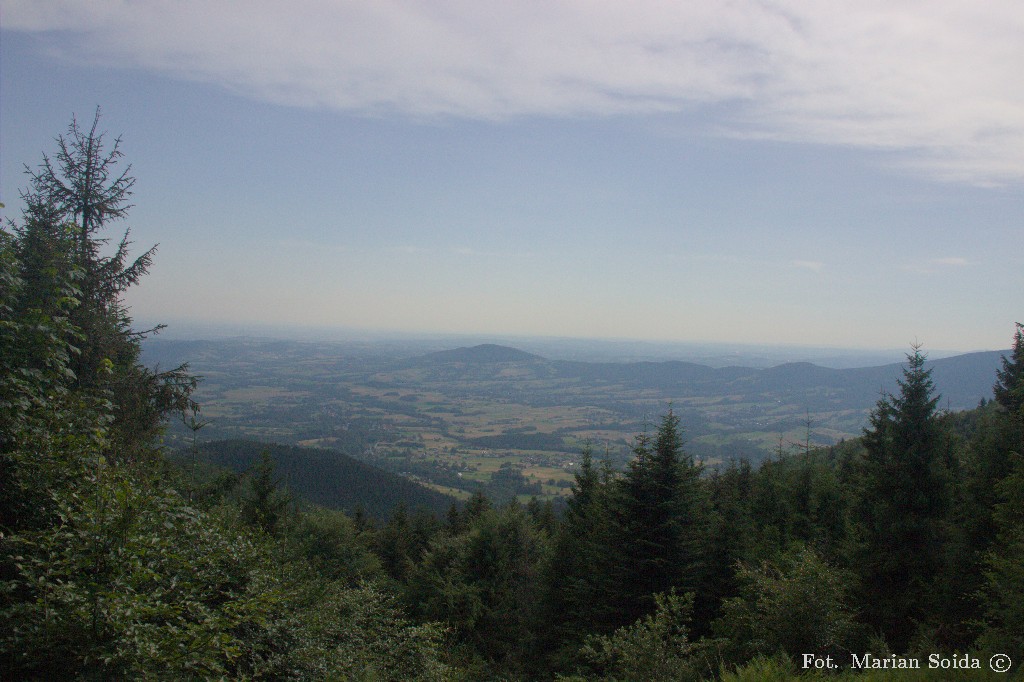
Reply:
x=117 y=563
x=326 y=477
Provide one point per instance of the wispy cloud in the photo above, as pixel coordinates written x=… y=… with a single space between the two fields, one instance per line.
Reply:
x=950 y=262
x=814 y=265
x=439 y=250
x=934 y=265
x=305 y=245
x=937 y=82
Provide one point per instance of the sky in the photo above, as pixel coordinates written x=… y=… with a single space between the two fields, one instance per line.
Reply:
x=841 y=174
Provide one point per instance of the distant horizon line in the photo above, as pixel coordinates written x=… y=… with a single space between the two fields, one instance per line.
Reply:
x=197 y=330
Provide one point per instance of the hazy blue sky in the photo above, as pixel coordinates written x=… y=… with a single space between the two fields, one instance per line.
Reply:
x=823 y=173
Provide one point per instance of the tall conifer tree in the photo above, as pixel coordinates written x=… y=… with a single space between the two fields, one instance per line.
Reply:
x=660 y=514
x=1009 y=389
x=70 y=202
x=578 y=580
x=903 y=502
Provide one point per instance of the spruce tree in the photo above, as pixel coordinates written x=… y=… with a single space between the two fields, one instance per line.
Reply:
x=577 y=577
x=730 y=533
x=903 y=501
x=1009 y=389
x=70 y=202
x=1004 y=570
x=37 y=342
x=265 y=504
x=660 y=515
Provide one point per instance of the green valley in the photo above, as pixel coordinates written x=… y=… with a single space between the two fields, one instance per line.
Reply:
x=455 y=419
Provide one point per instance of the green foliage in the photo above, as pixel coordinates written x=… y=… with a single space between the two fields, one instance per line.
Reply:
x=119 y=577
x=764 y=669
x=542 y=514
x=730 y=534
x=41 y=414
x=485 y=584
x=396 y=546
x=578 y=574
x=328 y=478
x=330 y=542
x=128 y=580
x=988 y=461
x=36 y=342
x=904 y=499
x=264 y=504
x=1004 y=574
x=108 y=572
x=440 y=588
x=67 y=207
x=1009 y=388
x=659 y=511
x=359 y=634
x=989 y=517
x=794 y=606
x=477 y=505
x=656 y=647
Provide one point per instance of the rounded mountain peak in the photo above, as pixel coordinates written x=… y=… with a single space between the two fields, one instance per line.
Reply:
x=484 y=353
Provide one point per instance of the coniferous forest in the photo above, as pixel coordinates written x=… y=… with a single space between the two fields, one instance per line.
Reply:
x=118 y=562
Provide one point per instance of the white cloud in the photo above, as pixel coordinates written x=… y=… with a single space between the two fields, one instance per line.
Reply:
x=933 y=265
x=936 y=80
x=814 y=265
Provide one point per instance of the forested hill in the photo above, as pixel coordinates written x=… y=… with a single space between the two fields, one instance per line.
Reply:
x=961 y=380
x=482 y=354
x=329 y=478
x=351 y=395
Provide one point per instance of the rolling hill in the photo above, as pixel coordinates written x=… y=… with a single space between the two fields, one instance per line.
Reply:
x=329 y=478
x=453 y=417
x=961 y=380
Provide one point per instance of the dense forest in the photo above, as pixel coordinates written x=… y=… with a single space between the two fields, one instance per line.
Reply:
x=119 y=562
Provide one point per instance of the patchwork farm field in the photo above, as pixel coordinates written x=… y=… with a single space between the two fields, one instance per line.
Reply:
x=507 y=421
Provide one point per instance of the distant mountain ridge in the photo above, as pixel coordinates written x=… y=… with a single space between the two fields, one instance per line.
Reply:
x=483 y=354
x=962 y=380
x=349 y=397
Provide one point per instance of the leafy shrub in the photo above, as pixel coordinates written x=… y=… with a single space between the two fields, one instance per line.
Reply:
x=794 y=606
